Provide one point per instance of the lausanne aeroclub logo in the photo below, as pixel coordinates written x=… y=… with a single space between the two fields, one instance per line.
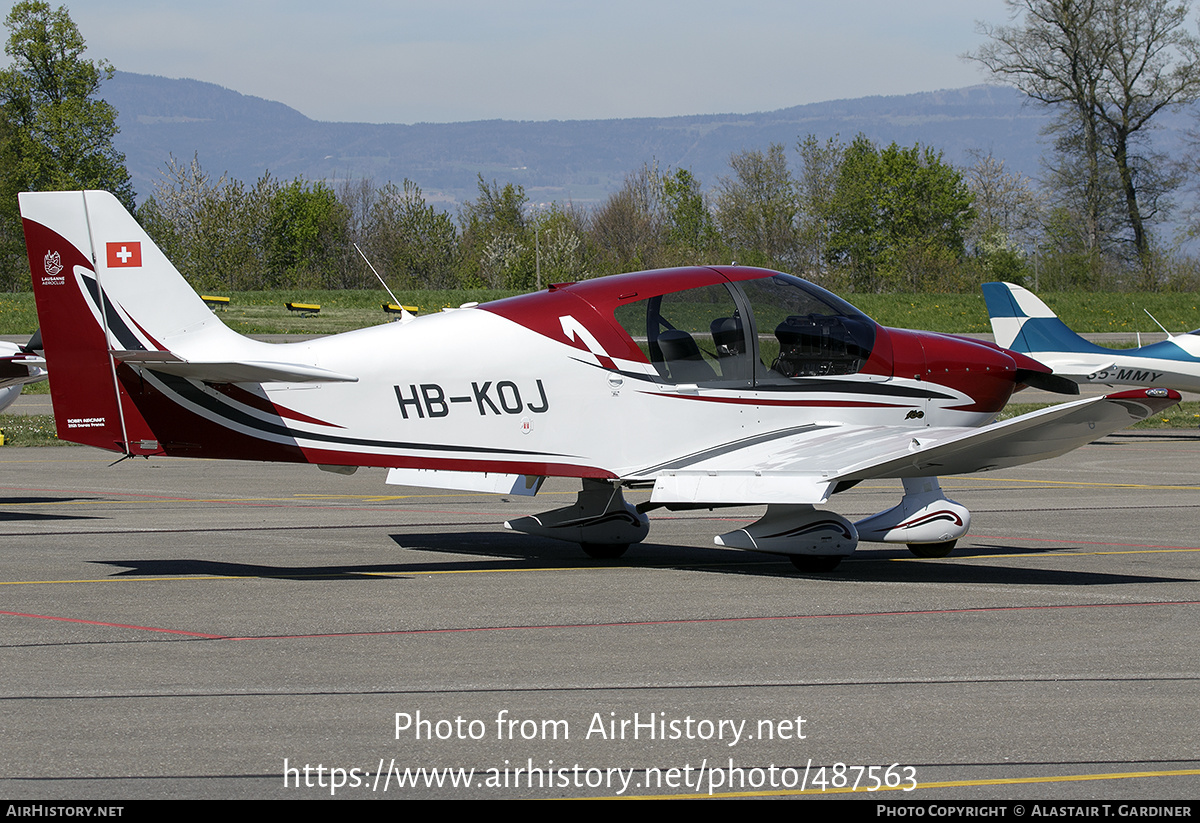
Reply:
x=124 y=255
x=53 y=263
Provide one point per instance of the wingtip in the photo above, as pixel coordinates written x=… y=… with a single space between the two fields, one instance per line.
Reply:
x=1156 y=399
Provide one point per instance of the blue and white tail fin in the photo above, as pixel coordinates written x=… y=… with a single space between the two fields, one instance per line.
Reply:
x=1023 y=323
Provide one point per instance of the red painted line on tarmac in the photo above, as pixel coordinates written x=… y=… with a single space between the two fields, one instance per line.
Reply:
x=632 y=624
x=115 y=625
x=1066 y=542
x=699 y=620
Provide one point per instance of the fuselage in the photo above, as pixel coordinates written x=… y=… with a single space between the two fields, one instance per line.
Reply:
x=1172 y=363
x=616 y=377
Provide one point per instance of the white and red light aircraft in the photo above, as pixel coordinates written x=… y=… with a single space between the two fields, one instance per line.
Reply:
x=714 y=386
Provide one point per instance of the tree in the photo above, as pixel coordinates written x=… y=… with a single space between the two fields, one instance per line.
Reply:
x=1008 y=212
x=689 y=224
x=54 y=131
x=559 y=234
x=1113 y=65
x=898 y=216
x=214 y=231
x=756 y=209
x=58 y=132
x=628 y=229
x=497 y=251
x=414 y=244
x=820 y=164
x=306 y=235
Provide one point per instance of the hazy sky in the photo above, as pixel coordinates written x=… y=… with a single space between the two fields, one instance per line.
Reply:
x=447 y=60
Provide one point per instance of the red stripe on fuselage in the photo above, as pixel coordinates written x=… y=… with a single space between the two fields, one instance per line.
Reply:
x=749 y=401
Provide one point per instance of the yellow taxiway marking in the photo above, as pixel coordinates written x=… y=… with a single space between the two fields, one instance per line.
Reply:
x=49 y=461
x=1039 y=555
x=1084 y=483
x=940 y=784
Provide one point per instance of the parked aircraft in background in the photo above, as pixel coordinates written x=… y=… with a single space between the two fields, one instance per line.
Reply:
x=712 y=386
x=1023 y=323
x=19 y=366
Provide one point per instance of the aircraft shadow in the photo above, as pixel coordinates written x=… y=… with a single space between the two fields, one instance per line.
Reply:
x=213 y=568
x=481 y=551
x=15 y=517
x=867 y=564
x=1157 y=435
x=41 y=516
x=867 y=567
x=524 y=547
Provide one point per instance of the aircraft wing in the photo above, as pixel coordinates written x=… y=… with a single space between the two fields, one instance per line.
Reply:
x=808 y=465
x=19 y=367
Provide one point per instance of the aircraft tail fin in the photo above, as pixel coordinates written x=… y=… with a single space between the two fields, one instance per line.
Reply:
x=105 y=293
x=138 y=363
x=1023 y=323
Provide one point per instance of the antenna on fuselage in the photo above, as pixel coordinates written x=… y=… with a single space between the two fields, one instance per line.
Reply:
x=404 y=313
x=1160 y=325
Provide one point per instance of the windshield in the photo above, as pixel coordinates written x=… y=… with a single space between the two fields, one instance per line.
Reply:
x=805 y=331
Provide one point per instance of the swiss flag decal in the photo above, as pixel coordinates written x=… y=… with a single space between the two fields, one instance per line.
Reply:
x=124 y=255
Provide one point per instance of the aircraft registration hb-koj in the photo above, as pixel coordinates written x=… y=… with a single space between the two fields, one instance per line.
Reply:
x=711 y=386
x=1023 y=323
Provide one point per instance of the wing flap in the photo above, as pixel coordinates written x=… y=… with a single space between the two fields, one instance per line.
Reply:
x=489 y=482
x=746 y=488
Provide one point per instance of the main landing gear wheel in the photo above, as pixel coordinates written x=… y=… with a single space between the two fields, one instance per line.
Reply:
x=815 y=563
x=604 y=551
x=932 y=549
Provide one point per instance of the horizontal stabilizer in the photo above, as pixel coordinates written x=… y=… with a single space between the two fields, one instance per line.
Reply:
x=19 y=367
x=231 y=372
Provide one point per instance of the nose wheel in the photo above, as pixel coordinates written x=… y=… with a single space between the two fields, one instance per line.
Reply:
x=815 y=563
x=604 y=551
x=932 y=549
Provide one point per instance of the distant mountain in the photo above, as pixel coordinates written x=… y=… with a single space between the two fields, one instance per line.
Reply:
x=579 y=160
